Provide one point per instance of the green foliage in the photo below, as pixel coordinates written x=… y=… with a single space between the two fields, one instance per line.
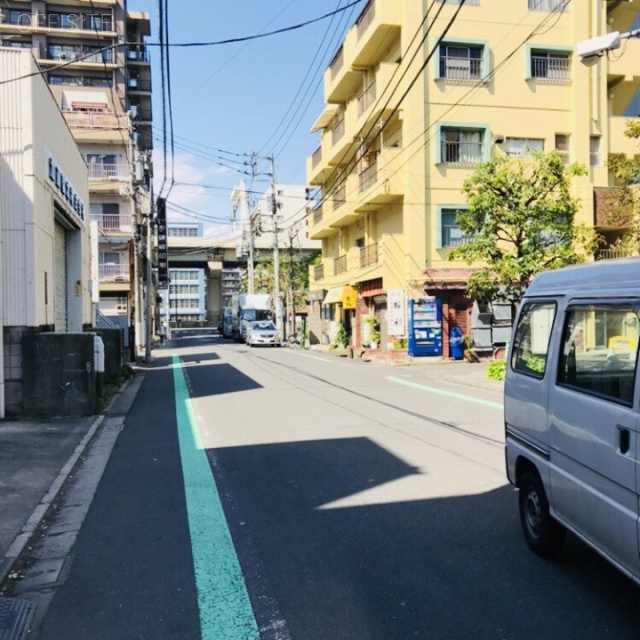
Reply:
x=374 y=329
x=625 y=211
x=496 y=370
x=294 y=274
x=342 y=339
x=400 y=344
x=467 y=342
x=520 y=219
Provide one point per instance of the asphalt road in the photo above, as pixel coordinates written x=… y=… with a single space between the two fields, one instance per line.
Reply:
x=282 y=494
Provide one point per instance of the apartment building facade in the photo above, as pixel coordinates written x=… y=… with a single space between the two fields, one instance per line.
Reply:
x=417 y=95
x=95 y=62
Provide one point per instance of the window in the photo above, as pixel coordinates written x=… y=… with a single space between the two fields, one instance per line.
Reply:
x=562 y=146
x=550 y=65
x=461 y=62
x=451 y=235
x=548 y=5
x=523 y=147
x=531 y=340
x=599 y=351
x=461 y=146
x=594 y=151
x=468 y=2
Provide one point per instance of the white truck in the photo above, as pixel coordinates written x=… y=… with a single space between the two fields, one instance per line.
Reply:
x=246 y=308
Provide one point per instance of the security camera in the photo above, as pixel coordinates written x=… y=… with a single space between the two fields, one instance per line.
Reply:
x=595 y=47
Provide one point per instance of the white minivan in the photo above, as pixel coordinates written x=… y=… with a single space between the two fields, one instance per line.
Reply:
x=572 y=410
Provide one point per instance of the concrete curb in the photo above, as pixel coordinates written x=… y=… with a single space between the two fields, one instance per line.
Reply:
x=21 y=541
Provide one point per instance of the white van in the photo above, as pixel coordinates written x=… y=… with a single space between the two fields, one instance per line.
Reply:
x=572 y=409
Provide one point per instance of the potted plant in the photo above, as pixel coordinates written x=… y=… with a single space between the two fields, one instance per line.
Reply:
x=374 y=331
x=469 y=353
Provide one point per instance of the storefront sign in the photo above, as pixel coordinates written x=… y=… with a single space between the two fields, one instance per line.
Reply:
x=163 y=254
x=396 y=312
x=65 y=188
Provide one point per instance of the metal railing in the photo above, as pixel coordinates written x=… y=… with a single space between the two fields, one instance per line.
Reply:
x=339 y=197
x=316 y=157
x=318 y=272
x=76 y=21
x=318 y=214
x=550 y=67
x=337 y=63
x=369 y=255
x=139 y=84
x=454 y=68
x=366 y=18
x=453 y=237
x=113 y=272
x=461 y=152
x=138 y=54
x=368 y=176
x=610 y=254
x=88 y=120
x=548 y=5
x=367 y=98
x=338 y=130
x=340 y=265
x=113 y=222
x=104 y=171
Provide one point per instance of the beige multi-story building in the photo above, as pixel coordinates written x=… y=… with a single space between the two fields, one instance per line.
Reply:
x=417 y=95
x=93 y=56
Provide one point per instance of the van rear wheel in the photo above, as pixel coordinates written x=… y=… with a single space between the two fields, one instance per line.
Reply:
x=544 y=535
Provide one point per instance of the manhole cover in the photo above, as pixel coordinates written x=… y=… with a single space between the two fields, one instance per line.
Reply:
x=15 y=617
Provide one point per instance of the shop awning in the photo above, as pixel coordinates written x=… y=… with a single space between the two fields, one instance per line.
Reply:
x=342 y=295
x=84 y=101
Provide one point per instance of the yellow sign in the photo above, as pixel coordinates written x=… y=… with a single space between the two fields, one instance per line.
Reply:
x=349 y=295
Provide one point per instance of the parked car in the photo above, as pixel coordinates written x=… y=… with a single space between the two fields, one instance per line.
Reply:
x=262 y=332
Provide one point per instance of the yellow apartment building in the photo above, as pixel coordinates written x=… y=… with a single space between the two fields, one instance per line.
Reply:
x=415 y=97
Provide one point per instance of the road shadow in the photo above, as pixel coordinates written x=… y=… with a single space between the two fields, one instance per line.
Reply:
x=447 y=567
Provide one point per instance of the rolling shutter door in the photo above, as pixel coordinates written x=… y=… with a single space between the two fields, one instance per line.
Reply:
x=60 y=278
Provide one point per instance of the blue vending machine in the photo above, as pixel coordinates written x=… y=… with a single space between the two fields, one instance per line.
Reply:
x=425 y=327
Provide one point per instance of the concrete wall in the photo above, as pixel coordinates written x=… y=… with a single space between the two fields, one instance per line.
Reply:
x=59 y=375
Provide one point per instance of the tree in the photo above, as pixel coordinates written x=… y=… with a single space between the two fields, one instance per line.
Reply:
x=626 y=210
x=519 y=222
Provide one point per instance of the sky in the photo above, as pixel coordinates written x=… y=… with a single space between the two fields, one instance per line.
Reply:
x=260 y=96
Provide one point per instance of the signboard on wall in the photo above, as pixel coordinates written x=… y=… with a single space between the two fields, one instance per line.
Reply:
x=396 y=312
x=163 y=254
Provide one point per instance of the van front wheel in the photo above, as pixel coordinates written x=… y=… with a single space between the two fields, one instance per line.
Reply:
x=543 y=534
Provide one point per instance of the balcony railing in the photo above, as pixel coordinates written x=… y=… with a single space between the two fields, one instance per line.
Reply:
x=137 y=54
x=610 y=254
x=337 y=63
x=106 y=171
x=366 y=18
x=76 y=21
x=318 y=214
x=87 y=120
x=340 y=265
x=369 y=176
x=339 y=197
x=367 y=98
x=139 y=84
x=113 y=222
x=453 y=68
x=338 y=131
x=113 y=272
x=316 y=157
x=369 y=255
x=318 y=272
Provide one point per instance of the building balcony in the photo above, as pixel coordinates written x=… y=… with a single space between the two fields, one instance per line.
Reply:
x=369 y=255
x=372 y=102
x=340 y=79
x=138 y=54
x=67 y=24
x=382 y=182
x=113 y=273
x=357 y=265
x=96 y=121
x=105 y=171
x=609 y=254
x=114 y=223
x=139 y=85
x=377 y=28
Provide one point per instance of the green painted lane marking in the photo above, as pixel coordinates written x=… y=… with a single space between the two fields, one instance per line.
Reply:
x=444 y=392
x=223 y=601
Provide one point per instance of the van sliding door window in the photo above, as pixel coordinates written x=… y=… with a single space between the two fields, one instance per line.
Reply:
x=531 y=341
x=599 y=351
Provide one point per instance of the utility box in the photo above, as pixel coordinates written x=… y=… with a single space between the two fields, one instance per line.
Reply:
x=59 y=374
x=114 y=351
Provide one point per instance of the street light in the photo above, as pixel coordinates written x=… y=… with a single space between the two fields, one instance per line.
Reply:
x=591 y=50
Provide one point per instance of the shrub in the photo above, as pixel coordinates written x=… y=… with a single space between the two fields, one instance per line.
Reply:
x=496 y=370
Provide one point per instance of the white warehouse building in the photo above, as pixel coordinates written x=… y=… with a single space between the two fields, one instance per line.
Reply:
x=44 y=210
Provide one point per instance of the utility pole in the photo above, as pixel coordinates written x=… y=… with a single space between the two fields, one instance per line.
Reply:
x=276 y=253
x=291 y=307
